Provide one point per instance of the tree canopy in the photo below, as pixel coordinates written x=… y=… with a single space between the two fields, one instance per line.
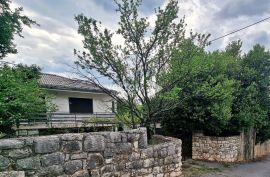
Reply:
x=135 y=65
x=218 y=92
x=11 y=23
x=20 y=96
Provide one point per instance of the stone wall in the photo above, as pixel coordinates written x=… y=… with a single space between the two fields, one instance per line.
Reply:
x=262 y=149
x=221 y=149
x=90 y=154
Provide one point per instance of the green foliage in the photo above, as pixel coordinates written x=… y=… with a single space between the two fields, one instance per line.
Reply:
x=11 y=23
x=258 y=60
x=20 y=96
x=138 y=62
x=124 y=118
x=205 y=94
x=219 y=92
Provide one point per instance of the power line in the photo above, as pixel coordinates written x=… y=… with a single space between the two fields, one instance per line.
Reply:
x=240 y=29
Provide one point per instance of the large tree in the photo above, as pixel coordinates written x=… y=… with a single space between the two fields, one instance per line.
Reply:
x=202 y=94
x=11 y=23
x=20 y=96
x=136 y=65
x=218 y=92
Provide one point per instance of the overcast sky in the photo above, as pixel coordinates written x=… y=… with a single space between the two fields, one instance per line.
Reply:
x=51 y=45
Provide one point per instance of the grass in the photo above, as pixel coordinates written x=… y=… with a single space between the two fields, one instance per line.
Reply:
x=191 y=169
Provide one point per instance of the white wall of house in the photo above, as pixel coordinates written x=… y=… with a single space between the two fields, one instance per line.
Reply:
x=101 y=101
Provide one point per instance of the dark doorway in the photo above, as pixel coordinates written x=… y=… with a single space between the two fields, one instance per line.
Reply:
x=186 y=145
x=80 y=105
x=186 y=138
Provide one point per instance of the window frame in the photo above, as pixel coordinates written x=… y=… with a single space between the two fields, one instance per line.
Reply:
x=76 y=110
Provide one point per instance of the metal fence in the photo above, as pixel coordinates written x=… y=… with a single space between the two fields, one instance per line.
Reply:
x=67 y=118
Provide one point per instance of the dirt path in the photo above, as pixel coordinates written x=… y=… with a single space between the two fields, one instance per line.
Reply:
x=253 y=169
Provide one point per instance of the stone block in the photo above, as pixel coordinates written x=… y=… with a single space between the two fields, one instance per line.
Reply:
x=157 y=170
x=12 y=174
x=72 y=166
x=175 y=174
x=46 y=144
x=120 y=166
x=115 y=137
x=149 y=162
x=30 y=163
x=144 y=171
x=20 y=153
x=135 y=145
x=132 y=137
x=125 y=174
x=11 y=144
x=162 y=153
x=72 y=137
x=67 y=157
x=82 y=173
x=54 y=170
x=147 y=153
x=52 y=159
x=143 y=140
x=78 y=156
x=135 y=165
x=72 y=146
x=94 y=161
x=108 y=153
x=4 y=162
x=123 y=148
x=134 y=156
x=107 y=169
x=168 y=160
x=108 y=161
x=94 y=143
x=29 y=141
x=171 y=149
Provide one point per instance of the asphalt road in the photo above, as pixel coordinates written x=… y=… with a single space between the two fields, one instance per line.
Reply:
x=253 y=169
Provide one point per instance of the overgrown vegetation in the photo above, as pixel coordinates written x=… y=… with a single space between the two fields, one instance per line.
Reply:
x=218 y=92
x=164 y=75
x=169 y=77
x=20 y=96
x=193 y=169
x=135 y=65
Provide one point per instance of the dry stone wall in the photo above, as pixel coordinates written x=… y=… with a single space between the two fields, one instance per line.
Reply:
x=90 y=154
x=221 y=149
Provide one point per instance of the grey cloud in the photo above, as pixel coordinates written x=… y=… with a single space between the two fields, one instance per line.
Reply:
x=51 y=45
x=262 y=38
x=236 y=8
x=61 y=63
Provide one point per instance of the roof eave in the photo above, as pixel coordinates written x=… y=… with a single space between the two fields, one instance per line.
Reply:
x=71 y=89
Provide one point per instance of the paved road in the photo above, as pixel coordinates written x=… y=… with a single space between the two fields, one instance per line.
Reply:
x=254 y=169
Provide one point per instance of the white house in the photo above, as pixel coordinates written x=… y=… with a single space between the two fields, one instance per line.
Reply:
x=76 y=96
x=77 y=103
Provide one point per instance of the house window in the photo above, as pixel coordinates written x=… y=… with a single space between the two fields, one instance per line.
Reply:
x=80 y=105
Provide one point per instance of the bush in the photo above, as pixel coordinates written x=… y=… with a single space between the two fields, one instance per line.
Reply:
x=20 y=96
